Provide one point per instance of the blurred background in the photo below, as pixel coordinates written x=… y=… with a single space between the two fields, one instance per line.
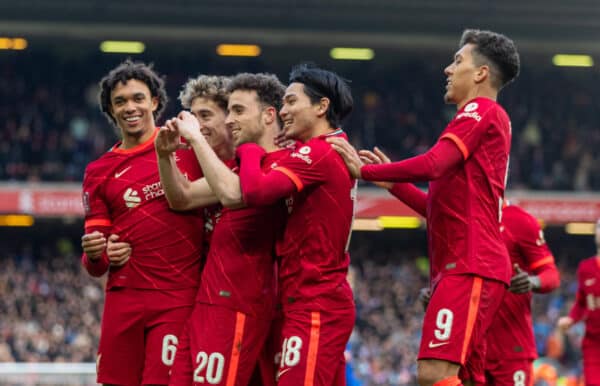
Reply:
x=53 y=53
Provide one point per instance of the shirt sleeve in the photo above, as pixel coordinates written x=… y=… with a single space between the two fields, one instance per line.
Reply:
x=412 y=196
x=97 y=218
x=260 y=188
x=468 y=128
x=578 y=310
x=533 y=247
x=435 y=163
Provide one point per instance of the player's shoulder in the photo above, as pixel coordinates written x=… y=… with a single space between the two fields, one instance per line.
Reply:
x=519 y=217
x=479 y=109
x=103 y=163
x=588 y=263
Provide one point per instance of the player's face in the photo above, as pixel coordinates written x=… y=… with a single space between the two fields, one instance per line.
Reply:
x=132 y=105
x=460 y=76
x=212 y=122
x=298 y=114
x=244 y=117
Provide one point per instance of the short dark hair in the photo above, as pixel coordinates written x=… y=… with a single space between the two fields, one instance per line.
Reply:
x=319 y=83
x=268 y=87
x=495 y=50
x=132 y=70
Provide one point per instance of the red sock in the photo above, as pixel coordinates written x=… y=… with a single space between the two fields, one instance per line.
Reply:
x=450 y=381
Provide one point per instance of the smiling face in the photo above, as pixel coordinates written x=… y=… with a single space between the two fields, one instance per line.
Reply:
x=212 y=122
x=132 y=107
x=461 y=76
x=298 y=114
x=244 y=117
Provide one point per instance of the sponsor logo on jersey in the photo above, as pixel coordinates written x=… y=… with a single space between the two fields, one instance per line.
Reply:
x=471 y=107
x=302 y=154
x=433 y=344
x=475 y=115
x=132 y=198
x=153 y=190
x=304 y=150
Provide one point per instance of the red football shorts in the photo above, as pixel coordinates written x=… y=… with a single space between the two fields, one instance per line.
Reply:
x=457 y=318
x=509 y=372
x=590 y=349
x=221 y=347
x=312 y=347
x=139 y=335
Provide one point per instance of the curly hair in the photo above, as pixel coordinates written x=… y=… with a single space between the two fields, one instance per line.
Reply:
x=268 y=87
x=132 y=70
x=497 y=51
x=205 y=86
x=319 y=83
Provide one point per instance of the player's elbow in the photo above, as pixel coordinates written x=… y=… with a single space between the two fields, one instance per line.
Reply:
x=232 y=199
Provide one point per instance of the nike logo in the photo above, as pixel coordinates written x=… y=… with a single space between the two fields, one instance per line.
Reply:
x=280 y=373
x=119 y=174
x=589 y=282
x=438 y=344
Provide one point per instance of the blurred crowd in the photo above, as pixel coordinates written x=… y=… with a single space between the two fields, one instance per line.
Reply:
x=51 y=310
x=50 y=126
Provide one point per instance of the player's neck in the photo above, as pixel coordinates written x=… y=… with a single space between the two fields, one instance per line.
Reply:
x=482 y=91
x=225 y=152
x=267 y=140
x=322 y=127
x=132 y=140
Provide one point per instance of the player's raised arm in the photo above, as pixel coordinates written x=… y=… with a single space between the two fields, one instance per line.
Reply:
x=181 y=193
x=221 y=179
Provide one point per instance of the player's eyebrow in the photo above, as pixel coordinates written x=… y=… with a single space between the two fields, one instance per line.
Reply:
x=288 y=96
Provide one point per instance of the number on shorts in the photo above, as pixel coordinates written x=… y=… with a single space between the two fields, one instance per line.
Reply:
x=290 y=352
x=443 y=322
x=169 y=349
x=519 y=378
x=213 y=364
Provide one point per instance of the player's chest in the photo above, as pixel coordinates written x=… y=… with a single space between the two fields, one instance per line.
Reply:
x=133 y=182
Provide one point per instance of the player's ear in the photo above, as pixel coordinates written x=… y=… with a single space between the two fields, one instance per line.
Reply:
x=322 y=106
x=154 y=103
x=482 y=73
x=269 y=115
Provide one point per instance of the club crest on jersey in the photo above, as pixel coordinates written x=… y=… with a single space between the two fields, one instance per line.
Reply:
x=471 y=107
x=132 y=198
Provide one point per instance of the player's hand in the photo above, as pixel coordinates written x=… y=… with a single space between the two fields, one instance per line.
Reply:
x=168 y=140
x=348 y=153
x=118 y=252
x=564 y=323
x=424 y=297
x=188 y=126
x=520 y=283
x=376 y=157
x=282 y=141
x=93 y=244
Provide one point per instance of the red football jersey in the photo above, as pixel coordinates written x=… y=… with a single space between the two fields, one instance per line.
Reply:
x=240 y=267
x=511 y=334
x=314 y=249
x=587 y=302
x=464 y=206
x=122 y=194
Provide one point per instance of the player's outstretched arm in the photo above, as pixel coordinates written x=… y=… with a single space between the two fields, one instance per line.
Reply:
x=222 y=180
x=406 y=192
x=259 y=188
x=442 y=158
x=179 y=191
